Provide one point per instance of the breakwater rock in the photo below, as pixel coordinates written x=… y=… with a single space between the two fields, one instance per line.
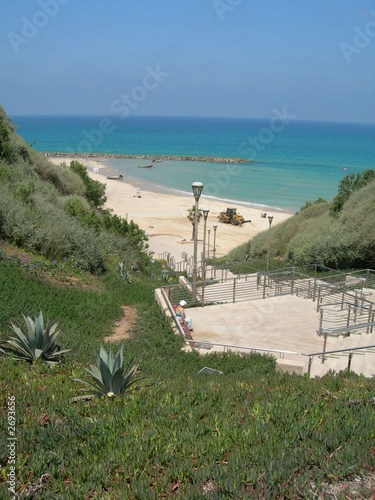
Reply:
x=212 y=159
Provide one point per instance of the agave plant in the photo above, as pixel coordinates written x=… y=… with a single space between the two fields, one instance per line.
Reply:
x=110 y=377
x=34 y=343
x=125 y=275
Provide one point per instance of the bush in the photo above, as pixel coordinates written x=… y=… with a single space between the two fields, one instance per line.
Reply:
x=313 y=236
x=95 y=190
x=348 y=185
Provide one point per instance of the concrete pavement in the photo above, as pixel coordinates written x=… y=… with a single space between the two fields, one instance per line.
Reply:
x=281 y=323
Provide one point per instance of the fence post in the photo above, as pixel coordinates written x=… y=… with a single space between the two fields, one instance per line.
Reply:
x=293 y=277
x=318 y=301
x=264 y=286
x=369 y=319
x=309 y=366
x=234 y=290
x=324 y=347
x=314 y=293
x=348 y=320
x=350 y=360
x=320 y=321
x=342 y=300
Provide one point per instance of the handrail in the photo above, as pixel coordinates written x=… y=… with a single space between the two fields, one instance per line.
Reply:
x=338 y=350
x=349 y=350
x=236 y=346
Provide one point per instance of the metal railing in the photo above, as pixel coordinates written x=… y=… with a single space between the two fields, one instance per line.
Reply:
x=369 y=349
x=226 y=288
x=174 y=293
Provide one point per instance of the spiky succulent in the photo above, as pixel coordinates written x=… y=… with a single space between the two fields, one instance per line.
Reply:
x=110 y=376
x=34 y=342
x=125 y=275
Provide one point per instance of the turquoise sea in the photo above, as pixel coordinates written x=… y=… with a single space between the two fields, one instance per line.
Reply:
x=292 y=161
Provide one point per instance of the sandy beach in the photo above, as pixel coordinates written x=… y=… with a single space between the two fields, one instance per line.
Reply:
x=163 y=214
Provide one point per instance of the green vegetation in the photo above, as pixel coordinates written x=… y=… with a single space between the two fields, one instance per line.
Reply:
x=191 y=218
x=95 y=190
x=350 y=183
x=34 y=194
x=338 y=234
x=251 y=432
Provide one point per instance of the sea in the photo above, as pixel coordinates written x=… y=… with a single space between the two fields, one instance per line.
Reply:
x=291 y=162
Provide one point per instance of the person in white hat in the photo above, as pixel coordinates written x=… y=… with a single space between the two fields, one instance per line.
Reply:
x=180 y=313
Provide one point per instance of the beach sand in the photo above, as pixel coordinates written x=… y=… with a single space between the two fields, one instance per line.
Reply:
x=163 y=214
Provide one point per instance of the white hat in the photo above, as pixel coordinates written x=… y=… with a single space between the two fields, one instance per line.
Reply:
x=182 y=303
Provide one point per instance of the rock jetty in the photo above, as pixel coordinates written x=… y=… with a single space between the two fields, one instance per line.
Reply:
x=212 y=159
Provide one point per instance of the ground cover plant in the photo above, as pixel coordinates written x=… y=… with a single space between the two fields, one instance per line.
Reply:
x=251 y=432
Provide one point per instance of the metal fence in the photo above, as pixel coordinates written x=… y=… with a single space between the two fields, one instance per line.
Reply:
x=224 y=287
x=369 y=349
x=341 y=302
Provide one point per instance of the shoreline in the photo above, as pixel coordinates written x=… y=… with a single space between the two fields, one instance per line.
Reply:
x=210 y=159
x=106 y=170
x=163 y=214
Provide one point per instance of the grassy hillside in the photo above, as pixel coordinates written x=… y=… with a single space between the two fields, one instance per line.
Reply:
x=338 y=234
x=249 y=433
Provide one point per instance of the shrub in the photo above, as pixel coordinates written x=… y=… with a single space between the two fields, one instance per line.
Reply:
x=95 y=190
x=350 y=183
x=64 y=180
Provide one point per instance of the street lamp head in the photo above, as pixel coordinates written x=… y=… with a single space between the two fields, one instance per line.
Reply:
x=197 y=190
x=205 y=213
x=270 y=219
x=215 y=227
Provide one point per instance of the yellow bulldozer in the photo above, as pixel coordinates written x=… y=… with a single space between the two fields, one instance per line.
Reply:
x=232 y=217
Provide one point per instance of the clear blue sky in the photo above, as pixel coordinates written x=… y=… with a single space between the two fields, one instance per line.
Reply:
x=211 y=57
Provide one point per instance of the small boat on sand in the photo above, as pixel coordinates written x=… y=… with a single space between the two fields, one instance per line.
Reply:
x=145 y=166
x=118 y=177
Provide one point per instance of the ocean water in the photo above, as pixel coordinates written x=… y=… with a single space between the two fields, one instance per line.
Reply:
x=291 y=161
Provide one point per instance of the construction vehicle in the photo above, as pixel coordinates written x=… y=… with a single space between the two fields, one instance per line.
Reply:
x=232 y=217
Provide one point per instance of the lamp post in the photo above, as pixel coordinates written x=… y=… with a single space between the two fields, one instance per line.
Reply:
x=208 y=243
x=270 y=219
x=197 y=191
x=205 y=215
x=214 y=250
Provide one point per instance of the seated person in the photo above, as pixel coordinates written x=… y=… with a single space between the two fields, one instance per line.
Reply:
x=180 y=313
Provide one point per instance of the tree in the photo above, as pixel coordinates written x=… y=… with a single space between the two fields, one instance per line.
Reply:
x=4 y=141
x=191 y=217
x=95 y=190
x=350 y=183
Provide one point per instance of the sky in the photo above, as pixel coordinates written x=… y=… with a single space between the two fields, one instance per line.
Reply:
x=225 y=58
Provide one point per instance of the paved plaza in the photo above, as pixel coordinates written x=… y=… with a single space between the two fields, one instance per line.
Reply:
x=280 y=323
